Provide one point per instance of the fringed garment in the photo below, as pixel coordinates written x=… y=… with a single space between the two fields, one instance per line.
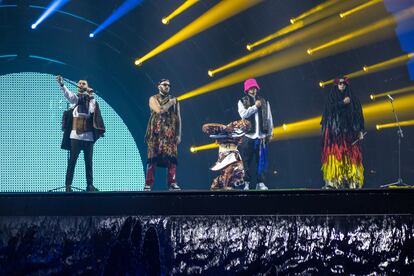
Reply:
x=163 y=132
x=341 y=124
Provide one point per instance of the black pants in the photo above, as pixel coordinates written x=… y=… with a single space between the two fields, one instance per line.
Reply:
x=250 y=151
x=76 y=147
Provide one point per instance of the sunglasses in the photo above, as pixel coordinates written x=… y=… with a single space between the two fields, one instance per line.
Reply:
x=165 y=84
x=82 y=83
x=341 y=83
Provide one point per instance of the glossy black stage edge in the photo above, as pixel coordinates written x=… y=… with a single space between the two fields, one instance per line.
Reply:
x=201 y=203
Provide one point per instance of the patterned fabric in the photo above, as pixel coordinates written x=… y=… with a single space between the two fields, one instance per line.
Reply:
x=228 y=136
x=341 y=124
x=162 y=134
x=229 y=133
x=230 y=177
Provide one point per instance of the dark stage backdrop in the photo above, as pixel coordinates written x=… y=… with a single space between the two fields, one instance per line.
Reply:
x=107 y=63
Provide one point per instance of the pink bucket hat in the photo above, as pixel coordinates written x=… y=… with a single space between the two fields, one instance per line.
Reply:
x=249 y=84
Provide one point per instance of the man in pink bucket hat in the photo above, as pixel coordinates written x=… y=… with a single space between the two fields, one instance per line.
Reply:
x=254 y=145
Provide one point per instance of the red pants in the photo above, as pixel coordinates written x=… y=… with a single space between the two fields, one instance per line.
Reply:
x=171 y=167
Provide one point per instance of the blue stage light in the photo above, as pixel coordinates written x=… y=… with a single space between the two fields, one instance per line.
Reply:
x=127 y=6
x=52 y=8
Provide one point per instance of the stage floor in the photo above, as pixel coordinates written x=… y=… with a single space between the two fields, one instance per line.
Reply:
x=201 y=203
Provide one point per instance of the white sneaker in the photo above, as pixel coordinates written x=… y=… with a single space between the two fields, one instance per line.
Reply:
x=246 y=186
x=147 y=188
x=261 y=186
x=224 y=162
x=174 y=187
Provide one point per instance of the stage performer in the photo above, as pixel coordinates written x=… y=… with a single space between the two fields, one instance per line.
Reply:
x=83 y=126
x=163 y=135
x=257 y=111
x=342 y=129
x=229 y=159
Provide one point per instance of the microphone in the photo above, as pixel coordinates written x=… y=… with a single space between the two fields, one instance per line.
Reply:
x=390 y=98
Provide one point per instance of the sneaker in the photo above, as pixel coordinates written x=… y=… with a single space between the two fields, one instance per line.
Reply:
x=237 y=132
x=147 y=188
x=224 y=160
x=261 y=186
x=174 y=187
x=246 y=186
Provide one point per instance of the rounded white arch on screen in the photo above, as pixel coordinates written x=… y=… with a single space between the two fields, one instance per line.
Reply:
x=30 y=136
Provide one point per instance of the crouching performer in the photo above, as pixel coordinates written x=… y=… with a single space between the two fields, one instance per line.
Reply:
x=229 y=160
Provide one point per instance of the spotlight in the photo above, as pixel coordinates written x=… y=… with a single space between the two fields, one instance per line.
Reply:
x=210 y=73
x=359 y=8
x=309 y=51
x=192 y=149
x=249 y=47
x=187 y=4
x=51 y=9
x=292 y=21
x=372 y=97
x=365 y=68
x=91 y=35
x=321 y=84
x=122 y=10
x=284 y=126
x=399 y=124
x=138 y=62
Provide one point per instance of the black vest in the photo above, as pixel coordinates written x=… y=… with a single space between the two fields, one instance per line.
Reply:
x=247 y=102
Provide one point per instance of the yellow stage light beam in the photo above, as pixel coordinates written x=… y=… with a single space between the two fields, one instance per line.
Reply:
x=392 y=92
x=195 y=149
x=298 y=24
x=282 y=60
x=187 y=4
x=350 y=76
x=314 y=10
x=220 y=12
x=281 y=32
x=373 y=113
x=328 y=11
x=391 y=63
x=312 y=32
x=259 y=68
x=376 y=26
x=278 y=45
x=359 y=8
x=403 y=124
